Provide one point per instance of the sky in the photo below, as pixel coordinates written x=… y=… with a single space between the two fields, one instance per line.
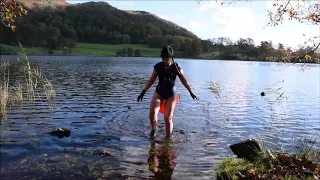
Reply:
x=209 y=19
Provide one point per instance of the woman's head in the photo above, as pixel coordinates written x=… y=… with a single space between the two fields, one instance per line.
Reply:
x=166 y=55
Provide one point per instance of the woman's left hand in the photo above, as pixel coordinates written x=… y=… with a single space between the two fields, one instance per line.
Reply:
x=193 y=96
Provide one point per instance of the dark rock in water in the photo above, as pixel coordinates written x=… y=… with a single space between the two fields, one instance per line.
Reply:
x=262 y=93
x=129 y=107
x=246 y=149
x=104 y=153
x=60 y=132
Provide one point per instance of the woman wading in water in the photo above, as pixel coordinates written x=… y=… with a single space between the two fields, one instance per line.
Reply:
x=167 y=70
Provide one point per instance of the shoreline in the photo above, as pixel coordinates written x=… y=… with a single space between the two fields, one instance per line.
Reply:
x=185 y=58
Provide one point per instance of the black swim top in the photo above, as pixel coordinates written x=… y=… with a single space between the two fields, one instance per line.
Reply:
x=168 y=76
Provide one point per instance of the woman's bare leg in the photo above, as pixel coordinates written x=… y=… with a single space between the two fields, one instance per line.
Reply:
x=154 y=110
x=168 y=114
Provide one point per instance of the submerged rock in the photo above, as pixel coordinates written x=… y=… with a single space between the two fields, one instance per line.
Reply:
x=60 y=132
x=246 y=149
x=104 y=153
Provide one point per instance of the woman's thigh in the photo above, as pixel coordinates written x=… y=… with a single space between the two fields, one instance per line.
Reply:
x=155 y=103
x=170 y=106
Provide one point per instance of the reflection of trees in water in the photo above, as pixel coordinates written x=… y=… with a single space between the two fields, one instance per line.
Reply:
x=161 y=160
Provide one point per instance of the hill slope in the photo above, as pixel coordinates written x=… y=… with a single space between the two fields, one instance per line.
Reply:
x=39 y=4
x=55 y=24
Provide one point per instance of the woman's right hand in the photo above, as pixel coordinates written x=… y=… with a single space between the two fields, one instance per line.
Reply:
x=141 y=95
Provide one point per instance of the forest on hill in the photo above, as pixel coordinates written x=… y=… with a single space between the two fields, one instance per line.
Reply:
x=101 y=23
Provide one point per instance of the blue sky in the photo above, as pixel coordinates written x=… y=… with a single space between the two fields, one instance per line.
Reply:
x=210 y=19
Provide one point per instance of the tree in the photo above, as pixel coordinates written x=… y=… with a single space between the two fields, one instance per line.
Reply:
x=246 y=47
x=265 y=49
x=303 y=11
x=125 y=39
x=155 y=41
x=281 y=52
x=137 y=53
x=130 y=52
x=28 y=29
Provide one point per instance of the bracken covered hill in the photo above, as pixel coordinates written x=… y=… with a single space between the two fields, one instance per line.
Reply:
x=33 y=4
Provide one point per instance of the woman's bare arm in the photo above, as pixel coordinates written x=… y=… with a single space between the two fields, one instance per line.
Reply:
x=184 y=80
x=151 y=80
x=185 y=83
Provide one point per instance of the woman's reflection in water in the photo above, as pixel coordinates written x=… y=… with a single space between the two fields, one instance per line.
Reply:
x=161 y=160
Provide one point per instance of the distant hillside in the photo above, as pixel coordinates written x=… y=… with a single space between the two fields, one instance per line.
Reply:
x=56 y=24
x=39 y=4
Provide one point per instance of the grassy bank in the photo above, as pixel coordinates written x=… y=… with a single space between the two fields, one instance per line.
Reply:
x=271 y=165
x=85 y=49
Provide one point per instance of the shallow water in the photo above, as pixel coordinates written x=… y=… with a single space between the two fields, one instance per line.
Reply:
x=96 y=98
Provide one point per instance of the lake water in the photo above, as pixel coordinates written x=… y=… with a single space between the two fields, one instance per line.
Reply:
x=96 y=98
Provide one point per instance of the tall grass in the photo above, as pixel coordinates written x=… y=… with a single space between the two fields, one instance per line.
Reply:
x=4 y=88
x=4 y=98
x=29 y=90
x=18 y=94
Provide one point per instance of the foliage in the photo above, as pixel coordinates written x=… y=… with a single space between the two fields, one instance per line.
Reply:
x=228 y=167
x=269 y=165
x=245 y=49
x=9 y=11
x=304 y=11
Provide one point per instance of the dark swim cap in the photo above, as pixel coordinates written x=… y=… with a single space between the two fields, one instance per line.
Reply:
x=166 y=52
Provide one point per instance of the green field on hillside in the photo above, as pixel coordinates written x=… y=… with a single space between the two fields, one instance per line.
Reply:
x=85 y=49
x=13 y=50
x=110 y=50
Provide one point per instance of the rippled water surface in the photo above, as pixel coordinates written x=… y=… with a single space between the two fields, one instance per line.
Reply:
x=96 y=98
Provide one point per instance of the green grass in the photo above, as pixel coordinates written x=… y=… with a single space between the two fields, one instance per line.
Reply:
x=266 y=165
x=211 y=55
x=13 y=50
x=228 y=168
x=110 y=50
x=87 y=49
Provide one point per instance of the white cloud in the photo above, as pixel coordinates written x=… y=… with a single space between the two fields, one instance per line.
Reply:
x=233 y=21
x=234 y=17
x=178 y=16
x=205 y=6
x=192 y=25
x=228 y=19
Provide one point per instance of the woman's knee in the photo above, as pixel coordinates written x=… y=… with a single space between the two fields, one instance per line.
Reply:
x=168 y=117
x=154 y=104
x=153 y=112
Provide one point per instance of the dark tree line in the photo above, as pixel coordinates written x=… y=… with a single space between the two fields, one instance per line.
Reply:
x=245 y=49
